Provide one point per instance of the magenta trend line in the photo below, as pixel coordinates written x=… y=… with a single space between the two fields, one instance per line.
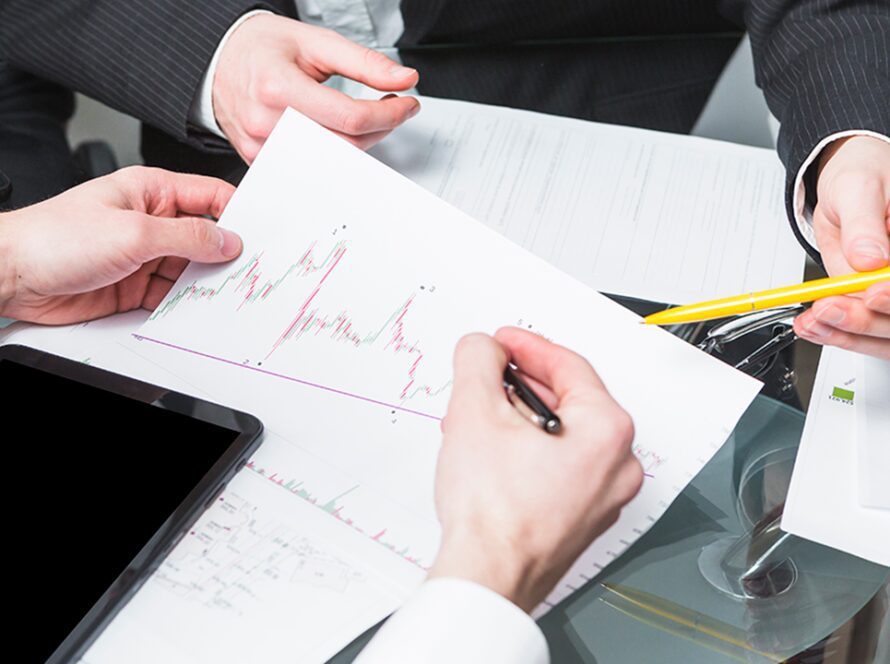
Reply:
x=292 y=379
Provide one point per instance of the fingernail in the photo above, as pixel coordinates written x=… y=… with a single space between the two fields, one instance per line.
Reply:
x=817 y=330
x=229 y=243
x=870 y=249
x=398 y=71
x=414 y=111
x=831 y=315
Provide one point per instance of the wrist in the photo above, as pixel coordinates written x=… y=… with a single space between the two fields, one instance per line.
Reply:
x=7 y=262
x=830 y=150
x=502 y=567
x=203 y=112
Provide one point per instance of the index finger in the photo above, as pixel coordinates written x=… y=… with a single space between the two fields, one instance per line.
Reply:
x=354 y=117
x=360 y=63
x=165 y=194
x=566 y=373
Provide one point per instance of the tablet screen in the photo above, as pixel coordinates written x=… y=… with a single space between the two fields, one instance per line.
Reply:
x=91 y=476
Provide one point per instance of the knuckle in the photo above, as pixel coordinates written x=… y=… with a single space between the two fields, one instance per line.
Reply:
x=617 y=430
x=200 y=233
x=269 y=89
x=354 y=120
x=133 y=172
x=624 y=427
x=374 y=59
x=132 y=177
x=857 y=320
x=253 y=123
x=842 y=340
x=137 y=234
x=634 y=478
x=473 y=342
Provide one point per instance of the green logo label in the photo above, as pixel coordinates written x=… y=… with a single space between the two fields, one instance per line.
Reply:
x=840 y=394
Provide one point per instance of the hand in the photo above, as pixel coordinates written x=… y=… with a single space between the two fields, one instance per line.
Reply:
x=518 y=505
x=271 y=62
x=852 y=224
x=111 y=245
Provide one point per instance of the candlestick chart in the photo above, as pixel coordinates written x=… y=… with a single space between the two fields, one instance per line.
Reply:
x=265 y=310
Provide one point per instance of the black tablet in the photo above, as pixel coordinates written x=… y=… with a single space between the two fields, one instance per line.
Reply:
x=104 y=475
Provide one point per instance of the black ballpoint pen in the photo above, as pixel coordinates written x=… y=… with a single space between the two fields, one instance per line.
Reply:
x=540 y=413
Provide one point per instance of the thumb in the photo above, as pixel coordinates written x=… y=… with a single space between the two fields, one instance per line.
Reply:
x=365 y=65
x=187 y=237
x=862 y=216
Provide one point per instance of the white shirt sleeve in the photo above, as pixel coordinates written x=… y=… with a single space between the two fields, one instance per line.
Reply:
x=201 y=114
x=802 y=214
x=452 y=620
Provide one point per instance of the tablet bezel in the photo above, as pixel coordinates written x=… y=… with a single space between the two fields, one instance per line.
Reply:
x=152 y=554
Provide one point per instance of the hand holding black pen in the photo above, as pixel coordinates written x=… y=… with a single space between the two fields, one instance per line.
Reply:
x=529 y=403
x=518 y=505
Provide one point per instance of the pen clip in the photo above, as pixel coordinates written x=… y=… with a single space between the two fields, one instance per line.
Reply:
x=522 y=407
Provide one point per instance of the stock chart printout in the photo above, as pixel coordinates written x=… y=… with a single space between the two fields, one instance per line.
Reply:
x=338 y=322
x=336 y=327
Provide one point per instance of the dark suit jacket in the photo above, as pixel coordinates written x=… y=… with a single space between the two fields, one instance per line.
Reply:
x=33 y=146
x=823 y=65
x=143 y=58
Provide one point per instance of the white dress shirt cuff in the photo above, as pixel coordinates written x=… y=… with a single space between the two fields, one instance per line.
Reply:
x=202 y=114
x=803 y=214
x=453 y=620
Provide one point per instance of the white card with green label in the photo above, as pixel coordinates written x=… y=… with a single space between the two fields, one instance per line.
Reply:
x=823 y=501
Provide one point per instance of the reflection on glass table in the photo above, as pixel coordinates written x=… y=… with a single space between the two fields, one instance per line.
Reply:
x=664 y=601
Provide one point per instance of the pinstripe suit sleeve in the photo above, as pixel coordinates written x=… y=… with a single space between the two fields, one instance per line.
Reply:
x=144 y=58
x=824 y=66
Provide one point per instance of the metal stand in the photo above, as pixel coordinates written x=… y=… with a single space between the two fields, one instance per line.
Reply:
x=755 y=565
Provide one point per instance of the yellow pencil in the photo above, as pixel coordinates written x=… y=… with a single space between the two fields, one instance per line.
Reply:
x=777 y=297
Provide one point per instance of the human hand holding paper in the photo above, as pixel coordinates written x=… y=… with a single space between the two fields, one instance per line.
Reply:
x=271 y=63
x=110 y=245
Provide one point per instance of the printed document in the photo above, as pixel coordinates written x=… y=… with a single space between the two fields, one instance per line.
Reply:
x=633 y=212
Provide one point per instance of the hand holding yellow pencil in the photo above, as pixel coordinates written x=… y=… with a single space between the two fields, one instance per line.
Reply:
x=870 y=313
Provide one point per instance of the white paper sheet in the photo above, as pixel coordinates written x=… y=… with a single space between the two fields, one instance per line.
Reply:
x=629 y=211
x=260 y=578
x=81 y=342
x=337 y=326
x=873 y=434
x=823 y=498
